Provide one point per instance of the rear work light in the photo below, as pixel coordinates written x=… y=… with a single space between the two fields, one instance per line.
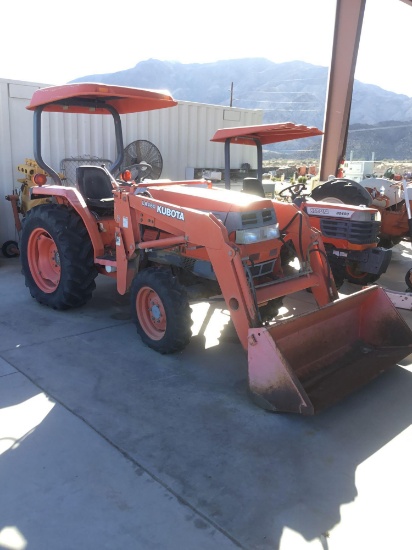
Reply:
x=40 y=179
x=258 y=234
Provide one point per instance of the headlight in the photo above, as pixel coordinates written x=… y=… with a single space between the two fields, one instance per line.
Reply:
x=258 y=234
x=366 y=216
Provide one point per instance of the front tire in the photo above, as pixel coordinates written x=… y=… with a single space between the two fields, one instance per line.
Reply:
x=357 y=277
x=160 y=310
x=386 y=241
x=57 y=257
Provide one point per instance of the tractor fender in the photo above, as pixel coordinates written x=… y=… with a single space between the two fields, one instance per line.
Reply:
x=72 y=197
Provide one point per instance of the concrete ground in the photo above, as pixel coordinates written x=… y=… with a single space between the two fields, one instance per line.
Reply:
x=104 y=444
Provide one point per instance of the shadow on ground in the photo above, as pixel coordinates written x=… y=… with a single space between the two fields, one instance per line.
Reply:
x=188 y=422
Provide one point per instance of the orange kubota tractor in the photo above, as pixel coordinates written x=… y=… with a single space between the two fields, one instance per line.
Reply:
x=349 y=233
x=392 y=198
x=170 y=243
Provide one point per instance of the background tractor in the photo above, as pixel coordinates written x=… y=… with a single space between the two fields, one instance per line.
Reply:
x=349 y=233
x=391 y=198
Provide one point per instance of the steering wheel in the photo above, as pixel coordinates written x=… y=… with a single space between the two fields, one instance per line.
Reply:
x=295 y=190
x=140 y=170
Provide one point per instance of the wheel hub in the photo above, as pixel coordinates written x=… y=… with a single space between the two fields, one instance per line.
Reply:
x=151 y=313
x=56 y=258
x=155 y=313
x=44 y=260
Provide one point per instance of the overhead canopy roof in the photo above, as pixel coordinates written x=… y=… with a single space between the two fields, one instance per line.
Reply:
x=266 y=133
x=86 y=97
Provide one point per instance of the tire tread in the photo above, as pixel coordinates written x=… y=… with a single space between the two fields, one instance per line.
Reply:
x=78 y=271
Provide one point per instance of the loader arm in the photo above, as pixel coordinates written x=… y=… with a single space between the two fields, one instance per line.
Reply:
x=307 y=241
x=188 y=228
x=304 y=364
x=184 y=229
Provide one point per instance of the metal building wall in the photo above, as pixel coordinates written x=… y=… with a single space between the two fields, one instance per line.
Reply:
x=15 y=142
x=182 y=134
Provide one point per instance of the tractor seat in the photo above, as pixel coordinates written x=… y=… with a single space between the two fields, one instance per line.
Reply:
x=253 y=186
x=96 y=187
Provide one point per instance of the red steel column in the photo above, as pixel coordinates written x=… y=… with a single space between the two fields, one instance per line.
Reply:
x=348 y=26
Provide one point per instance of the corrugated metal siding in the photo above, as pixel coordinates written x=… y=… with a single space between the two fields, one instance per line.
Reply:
x=182 y=134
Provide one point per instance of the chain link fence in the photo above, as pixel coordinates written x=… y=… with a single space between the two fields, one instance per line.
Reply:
x=68 y=166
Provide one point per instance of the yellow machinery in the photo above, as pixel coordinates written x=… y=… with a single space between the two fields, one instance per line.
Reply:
x=21 y=200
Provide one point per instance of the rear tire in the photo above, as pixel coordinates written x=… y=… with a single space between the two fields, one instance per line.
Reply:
x=57 y=257
x=345 y=190
x=161 y=310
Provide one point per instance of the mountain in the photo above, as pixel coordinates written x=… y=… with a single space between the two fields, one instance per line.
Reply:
x=293 y=91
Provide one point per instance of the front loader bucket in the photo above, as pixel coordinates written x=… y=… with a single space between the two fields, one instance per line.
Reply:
x=310 y=362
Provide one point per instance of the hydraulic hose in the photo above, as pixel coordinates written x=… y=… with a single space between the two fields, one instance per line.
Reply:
x=322 y=253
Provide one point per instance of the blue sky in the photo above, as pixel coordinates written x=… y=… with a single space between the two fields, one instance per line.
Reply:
x=53 y=46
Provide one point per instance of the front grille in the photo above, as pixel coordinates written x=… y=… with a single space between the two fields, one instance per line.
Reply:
x=250 y=218
x=265 y=268
x=267 y=215
x=352 y=231
x=258 y=217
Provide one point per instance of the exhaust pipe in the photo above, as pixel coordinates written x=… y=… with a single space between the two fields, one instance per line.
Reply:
x=310 y=362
